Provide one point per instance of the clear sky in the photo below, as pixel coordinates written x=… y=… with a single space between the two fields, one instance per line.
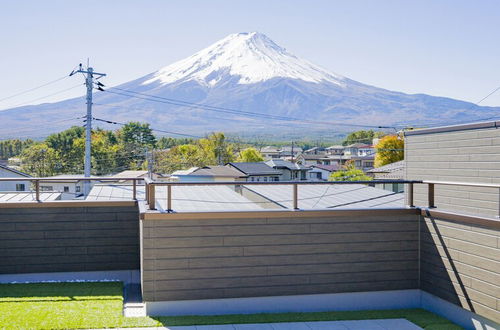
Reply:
x=441 y=47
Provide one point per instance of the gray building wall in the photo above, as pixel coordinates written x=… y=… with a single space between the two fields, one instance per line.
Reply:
x=203 y=258
x=461 y=263
x=466 y=153
x=64 y=239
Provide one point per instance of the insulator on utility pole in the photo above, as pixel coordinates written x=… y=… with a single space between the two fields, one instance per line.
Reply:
x=89 y=82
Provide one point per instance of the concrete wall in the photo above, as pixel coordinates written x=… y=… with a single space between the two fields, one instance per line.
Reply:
x=68 y=239
x=467 y=153
x=460 y=263
x=267 y=255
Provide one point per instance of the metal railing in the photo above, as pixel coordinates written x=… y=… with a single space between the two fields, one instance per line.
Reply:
x=36 y=183
x=151 y=188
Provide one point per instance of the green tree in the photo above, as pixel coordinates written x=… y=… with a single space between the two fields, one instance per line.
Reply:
x=69 y=158
x=349 y=173
x=40 y=160
x=390 y=149
x=135 y=139
x=216 y=150
x=250 y=155
x=178 y=157
x=362 y=137
x=14 y=147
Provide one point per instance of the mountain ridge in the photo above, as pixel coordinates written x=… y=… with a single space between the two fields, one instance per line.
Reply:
x=249 y=72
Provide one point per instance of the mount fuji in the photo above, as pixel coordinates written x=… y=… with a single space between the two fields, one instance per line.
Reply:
x=246 y=83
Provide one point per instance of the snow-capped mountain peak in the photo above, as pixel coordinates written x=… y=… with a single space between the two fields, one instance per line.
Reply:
x=251 y=57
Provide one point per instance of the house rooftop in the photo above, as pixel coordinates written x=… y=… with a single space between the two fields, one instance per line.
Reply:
x=255 y=168
x=281 y=163
x=352 y=196
x=28 y=196
x=131 y=174
x=219 y=171
x=331 y=168
x=10 y=169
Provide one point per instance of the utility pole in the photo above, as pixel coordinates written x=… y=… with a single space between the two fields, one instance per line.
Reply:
x=89 y=82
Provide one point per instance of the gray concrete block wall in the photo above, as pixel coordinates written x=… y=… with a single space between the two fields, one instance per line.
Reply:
x=461 y=263
x=68 y=239
x=228 y=258
x=469 y=155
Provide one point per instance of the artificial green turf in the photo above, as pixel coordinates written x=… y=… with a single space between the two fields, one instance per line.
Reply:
x=99 y=305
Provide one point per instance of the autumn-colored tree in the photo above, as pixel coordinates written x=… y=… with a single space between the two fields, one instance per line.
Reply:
x=40 y=160
x=390 y=149
x=349 y=172
x=250 y=155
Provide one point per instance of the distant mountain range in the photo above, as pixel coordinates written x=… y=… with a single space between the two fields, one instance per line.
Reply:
x=246 y=83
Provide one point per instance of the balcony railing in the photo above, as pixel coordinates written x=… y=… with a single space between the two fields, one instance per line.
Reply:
x=151 y=191
x=36 y=183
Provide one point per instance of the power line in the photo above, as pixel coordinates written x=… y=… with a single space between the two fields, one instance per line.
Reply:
x=493 y=92
x=43 y=97
x=34 y=88
x=159 y=99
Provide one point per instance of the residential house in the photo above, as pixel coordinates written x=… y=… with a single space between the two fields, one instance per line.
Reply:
x=315 y=151
x=393 y=171
x=335 y=150
x=290 y=151
x=289 y=171
x=312 y=159
x=210 y=173
x=320 y=172
x=8 y=172
x=270 y=152
x=257 y=171
x=359 y=149
x=68 y=184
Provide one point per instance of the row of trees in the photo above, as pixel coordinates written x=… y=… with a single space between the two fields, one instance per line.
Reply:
x=12 y=148
x=126 y=148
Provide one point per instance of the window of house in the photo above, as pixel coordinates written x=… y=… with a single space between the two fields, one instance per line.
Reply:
x=252 y=179
x=276 y=178
x=265 y=178
x=319 y=175
x=66 y=189
x=46 y=188
x=20 y=187
x=326 y=162
x=78 y=189
x=358 y=163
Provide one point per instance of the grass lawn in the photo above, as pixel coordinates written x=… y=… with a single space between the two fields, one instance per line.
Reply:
x=99 y=305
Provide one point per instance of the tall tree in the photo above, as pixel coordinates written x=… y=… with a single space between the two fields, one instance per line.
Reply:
x=250 y=155
x=362 y=137
x=40 y=160
x=390 y=149
x=136 y=138
x=349 y=172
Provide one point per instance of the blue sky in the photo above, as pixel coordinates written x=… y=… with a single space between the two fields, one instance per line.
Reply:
x=445 y=48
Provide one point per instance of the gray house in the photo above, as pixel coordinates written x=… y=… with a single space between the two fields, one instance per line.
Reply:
x=8 y=172
x=257 y=171
x=289 y=171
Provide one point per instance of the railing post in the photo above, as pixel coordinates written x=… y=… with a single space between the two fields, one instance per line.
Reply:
x=169 y=198
x=430 y=195
x=152 y=200
x=146 y=191
x=134 y=190
x=410 y=195
x=295 y=197
x=37 y=190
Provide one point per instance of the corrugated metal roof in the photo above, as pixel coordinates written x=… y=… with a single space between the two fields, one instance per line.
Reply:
x=184 y=198
x=331 y=196
x=27 y=196
x=396 y=166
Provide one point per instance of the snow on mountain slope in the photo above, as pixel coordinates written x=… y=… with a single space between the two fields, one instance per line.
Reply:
x=250 y=73
x=251 y=56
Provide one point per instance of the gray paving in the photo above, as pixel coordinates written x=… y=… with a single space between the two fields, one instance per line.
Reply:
x=383 y=324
